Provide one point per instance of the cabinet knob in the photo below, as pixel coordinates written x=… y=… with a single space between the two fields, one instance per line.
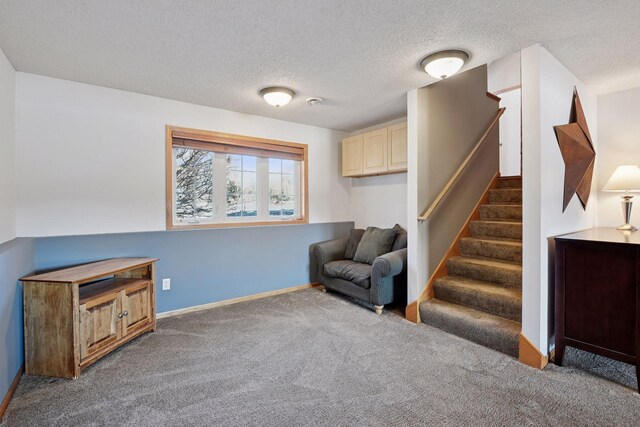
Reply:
x=126 y=313
x=120 y=315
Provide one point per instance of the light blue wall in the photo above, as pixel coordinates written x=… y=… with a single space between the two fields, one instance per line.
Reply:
x=204 y=265
x=16 y=260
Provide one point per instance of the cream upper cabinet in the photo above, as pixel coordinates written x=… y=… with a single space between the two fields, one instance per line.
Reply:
x=352 y=156
x=375 y=153
x=374 y=147
x=397 y=147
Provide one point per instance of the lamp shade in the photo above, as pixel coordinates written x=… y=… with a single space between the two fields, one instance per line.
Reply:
x=625 y=178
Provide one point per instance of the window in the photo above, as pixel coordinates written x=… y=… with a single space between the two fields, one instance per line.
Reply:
x=220 y=180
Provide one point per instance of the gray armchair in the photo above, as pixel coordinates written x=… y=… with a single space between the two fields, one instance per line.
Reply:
x=382 y=283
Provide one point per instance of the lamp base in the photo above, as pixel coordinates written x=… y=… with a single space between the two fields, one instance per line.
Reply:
x=627 y=227
x=627 y=204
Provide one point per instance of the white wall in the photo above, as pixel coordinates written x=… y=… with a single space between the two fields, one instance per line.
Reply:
x=7 y=150
x=511 y=133
x=445 y=121
x=547 y=93
x=504 y=73
x=417 y=197
x=503 y=78
x=619 y=144
x=91 y=159
x=379 y=201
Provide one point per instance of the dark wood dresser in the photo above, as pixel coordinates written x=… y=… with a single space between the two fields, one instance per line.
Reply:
x=597 y=305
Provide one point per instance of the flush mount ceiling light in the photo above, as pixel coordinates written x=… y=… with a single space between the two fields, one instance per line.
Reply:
x=445 y=63
x=277 y=95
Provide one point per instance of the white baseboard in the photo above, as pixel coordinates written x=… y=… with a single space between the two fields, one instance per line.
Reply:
x=234 y=300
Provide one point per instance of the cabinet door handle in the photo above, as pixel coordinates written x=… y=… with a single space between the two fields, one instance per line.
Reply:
x=120 y=315
x=126 y=313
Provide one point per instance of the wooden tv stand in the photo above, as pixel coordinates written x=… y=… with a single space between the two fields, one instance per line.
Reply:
x=75 y=316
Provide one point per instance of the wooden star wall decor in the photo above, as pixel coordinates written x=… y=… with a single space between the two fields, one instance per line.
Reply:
x=578 y=154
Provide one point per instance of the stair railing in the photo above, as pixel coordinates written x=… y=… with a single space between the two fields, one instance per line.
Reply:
x=426 y=214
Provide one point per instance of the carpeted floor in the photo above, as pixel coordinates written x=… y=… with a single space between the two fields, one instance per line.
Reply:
x=307 y=358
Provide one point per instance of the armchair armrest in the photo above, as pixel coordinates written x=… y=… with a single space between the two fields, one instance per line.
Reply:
x=384 y=285
x=390 y=264
x=331 y=250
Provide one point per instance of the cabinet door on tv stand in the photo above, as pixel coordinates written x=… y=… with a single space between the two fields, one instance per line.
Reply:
x=99 y=324
x=136 y=308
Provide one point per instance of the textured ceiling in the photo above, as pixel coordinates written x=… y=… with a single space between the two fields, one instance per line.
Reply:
x=360 y=55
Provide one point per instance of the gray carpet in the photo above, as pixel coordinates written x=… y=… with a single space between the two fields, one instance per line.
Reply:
x=307 y=358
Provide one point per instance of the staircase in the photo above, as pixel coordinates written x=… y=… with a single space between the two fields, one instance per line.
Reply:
x=480 y=298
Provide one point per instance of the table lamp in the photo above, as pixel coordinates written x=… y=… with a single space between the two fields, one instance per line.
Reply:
x=625 y=179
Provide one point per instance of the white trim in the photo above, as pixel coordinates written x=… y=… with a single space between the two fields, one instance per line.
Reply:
x=297 y=189
x=234 y=300
x=219 y=197
x=262 y=188
x=173 y=185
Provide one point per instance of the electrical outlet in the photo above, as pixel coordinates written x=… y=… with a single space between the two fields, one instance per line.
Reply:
x=166 y=284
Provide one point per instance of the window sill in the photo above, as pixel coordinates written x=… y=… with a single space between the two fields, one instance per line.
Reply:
x=238 y=224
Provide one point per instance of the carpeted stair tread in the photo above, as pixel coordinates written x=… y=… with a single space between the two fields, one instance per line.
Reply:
x=497 y=229
x=483 y=328
x=480 y=298
x=505 y=196
x=509 y=250
x=496 y=212
x=510 y=182
x=483 y=296
x=487 y=270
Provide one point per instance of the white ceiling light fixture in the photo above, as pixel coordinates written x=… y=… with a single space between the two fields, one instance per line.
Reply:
x=277 y=95
x=445 y=63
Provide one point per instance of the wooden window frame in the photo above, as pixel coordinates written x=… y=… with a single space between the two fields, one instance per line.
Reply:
x=236 y=144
